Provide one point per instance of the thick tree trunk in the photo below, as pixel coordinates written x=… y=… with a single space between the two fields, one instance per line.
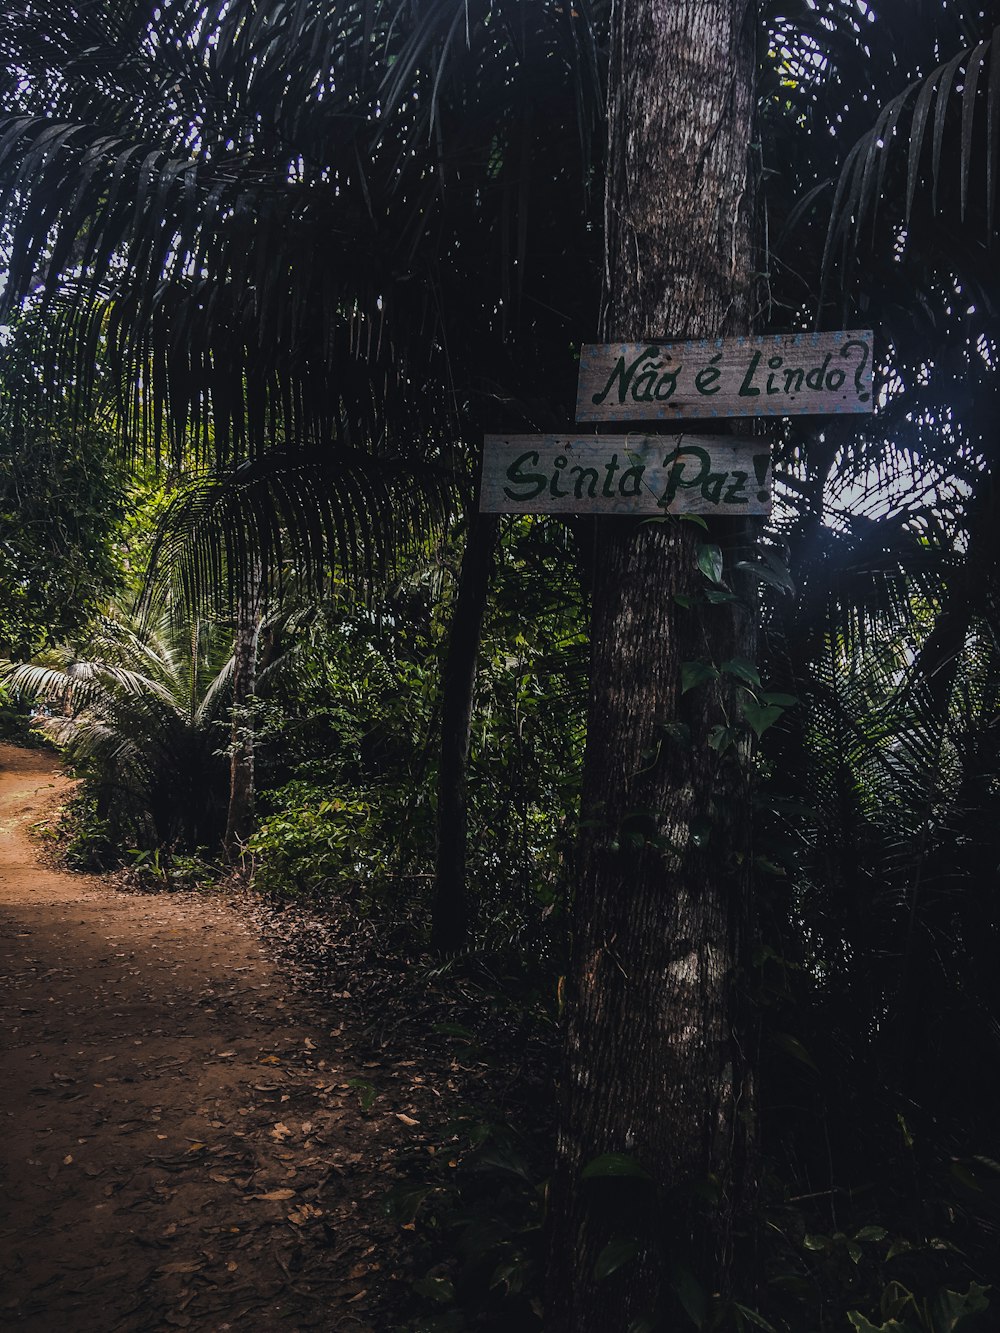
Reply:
x=239 y=820
x=656 y=1070
x=450 y=924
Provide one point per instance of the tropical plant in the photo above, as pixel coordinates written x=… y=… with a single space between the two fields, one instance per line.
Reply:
x=138 y=716
x=345 y=228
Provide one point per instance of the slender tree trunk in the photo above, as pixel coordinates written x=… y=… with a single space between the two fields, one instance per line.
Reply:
x=656 y=1072
x=451 y=907
x=241 y=763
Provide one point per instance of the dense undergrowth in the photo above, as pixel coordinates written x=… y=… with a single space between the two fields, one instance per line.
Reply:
x=879 y=1202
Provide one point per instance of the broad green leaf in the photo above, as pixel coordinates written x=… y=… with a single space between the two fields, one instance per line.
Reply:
x=743 y=670
x=690 y=1293
x=761 y=716
x=780 y=700
x=721 y=738
x=616 y=1254
x=863 y=1325
x=436 y=1289
x=693 y=518
x=696 y=673
x=510 y=1275
x=951 y=1307
x=710 y=561
x=871 y=1233
x=965 y=1177
x=793 y=1047
x=611 y=1164
x=718 y=595
x=366 y=1091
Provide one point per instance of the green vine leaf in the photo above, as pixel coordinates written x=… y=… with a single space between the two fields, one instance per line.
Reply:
x=696 y=673
x=616 y=1254
x=761 y=715
x=743 y=670
x=614 y=1164
x=710 y=561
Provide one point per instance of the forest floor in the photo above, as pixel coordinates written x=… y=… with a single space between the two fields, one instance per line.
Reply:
x=183 y=1142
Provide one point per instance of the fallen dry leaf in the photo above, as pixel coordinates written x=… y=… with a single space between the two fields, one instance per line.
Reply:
x=275 y=1195
x=280 y=1131
x=406 y=1119
x=304 y=1213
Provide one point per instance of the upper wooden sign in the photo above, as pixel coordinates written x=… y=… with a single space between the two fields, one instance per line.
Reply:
x=786 y=375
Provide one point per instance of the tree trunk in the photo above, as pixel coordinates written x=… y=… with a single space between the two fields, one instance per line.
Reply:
x=239 y=820
x=450 y=924
x=656 y=1071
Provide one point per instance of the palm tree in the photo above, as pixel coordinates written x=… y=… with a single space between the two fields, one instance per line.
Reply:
x=139 y=714
x=341 y=229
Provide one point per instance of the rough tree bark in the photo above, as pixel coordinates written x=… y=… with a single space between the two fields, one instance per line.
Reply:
x=450 y=924
x=655 y=1068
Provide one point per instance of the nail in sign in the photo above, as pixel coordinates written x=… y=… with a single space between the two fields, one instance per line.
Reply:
x=786 y=375
x=625 y=474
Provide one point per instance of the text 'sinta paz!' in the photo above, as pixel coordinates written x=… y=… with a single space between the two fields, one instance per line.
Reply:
x=625 y=474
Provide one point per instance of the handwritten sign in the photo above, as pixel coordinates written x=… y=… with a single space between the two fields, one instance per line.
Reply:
x=786 y=375
x=625 y=474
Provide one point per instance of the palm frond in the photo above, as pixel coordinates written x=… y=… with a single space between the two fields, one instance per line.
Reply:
x=352 y=513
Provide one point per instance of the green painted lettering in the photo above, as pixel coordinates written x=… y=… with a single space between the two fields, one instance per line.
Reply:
x=633 y=475
x=711 y=487
x=676 y=478
x=623 y=374
x=534 y=480
x=747 y=389
x=706 y=378
x=585 y=472
x=816 y=377
x=668 y=384
x=610 y=468
x=554 y=490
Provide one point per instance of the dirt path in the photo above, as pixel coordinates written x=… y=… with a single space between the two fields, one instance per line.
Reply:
x=179 y=1146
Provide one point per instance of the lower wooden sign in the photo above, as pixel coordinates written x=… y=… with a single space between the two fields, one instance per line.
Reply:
x=625 y=474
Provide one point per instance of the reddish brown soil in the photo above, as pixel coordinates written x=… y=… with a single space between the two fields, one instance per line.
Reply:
x=180 y=1146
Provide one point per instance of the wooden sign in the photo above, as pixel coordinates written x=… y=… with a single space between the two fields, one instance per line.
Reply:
x=625 y=474
x=785 y=375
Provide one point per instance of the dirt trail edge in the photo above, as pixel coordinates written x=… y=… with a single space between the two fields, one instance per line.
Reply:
x=180 y=1146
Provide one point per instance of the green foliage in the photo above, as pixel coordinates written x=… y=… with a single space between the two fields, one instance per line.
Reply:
x=483 y=1208
x=348 y=738
x=314 y=844
x=62 y=504
x=137 y=716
